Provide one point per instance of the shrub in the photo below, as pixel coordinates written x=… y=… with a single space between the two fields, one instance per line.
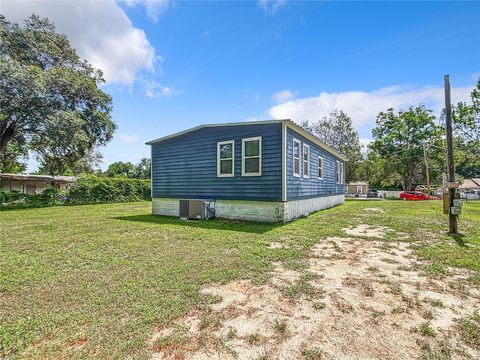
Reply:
x=50 y=196
x=93 y=190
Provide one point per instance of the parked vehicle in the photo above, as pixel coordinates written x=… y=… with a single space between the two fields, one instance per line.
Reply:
x=372 y=193
x=413 y=195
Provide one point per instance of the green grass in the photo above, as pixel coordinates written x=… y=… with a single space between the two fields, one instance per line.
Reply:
x=312 y=354
x=469 y=327
x=97 y=280
x=426 y=330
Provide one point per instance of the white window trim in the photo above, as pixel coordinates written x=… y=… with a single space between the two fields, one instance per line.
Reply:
x=323 y=167
x=337 y=174
x=342 y=174
x=233 y=158
x=306 y=161
x=361 y=189
x=299 y=174
x=259 y=138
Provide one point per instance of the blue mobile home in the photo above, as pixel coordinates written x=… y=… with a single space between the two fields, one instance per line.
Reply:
x=261 y=171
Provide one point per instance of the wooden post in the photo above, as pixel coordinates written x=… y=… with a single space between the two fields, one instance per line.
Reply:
x=452 y=218
x=427 y=175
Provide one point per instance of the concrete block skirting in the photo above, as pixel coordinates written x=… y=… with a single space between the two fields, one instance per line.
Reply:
x=166 y=206
x=267 y=211
x=296 y=208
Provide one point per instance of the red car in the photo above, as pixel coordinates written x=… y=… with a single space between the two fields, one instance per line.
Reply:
x=413 y=195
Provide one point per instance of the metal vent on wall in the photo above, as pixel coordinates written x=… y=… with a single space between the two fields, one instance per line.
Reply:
x=197 y=209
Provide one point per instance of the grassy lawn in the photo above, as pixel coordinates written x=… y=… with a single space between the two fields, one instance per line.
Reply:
x=95 y=281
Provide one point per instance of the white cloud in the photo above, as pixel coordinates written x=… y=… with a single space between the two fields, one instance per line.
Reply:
x=270 y=7
x=154 y=89
x=363 y=106
x=283 y=96
x=99 y=30
x=129 y=139
x=154 y=8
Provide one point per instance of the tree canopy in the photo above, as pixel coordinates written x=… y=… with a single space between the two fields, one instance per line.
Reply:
x=466 y=131
x=398 y=140
x=142 y=170
x=337 y=131
x=51 y=103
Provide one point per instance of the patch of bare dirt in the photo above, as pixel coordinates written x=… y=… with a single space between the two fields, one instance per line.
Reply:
x=368 y=301
x=367 y=230
x=77 y=343
x=277 y=245
x=374 y=210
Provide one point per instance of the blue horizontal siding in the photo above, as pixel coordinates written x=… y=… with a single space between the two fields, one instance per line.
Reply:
x=302 y=188
x=186 y=166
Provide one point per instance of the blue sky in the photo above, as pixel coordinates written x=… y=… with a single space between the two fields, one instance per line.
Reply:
x=174 y=65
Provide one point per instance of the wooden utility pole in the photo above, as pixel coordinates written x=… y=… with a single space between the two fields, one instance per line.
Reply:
x=452 y=218
x=427 y=172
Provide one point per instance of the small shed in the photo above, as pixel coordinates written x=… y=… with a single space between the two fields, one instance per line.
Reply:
x=33 y=184
x=470 y=184
x=357 y=188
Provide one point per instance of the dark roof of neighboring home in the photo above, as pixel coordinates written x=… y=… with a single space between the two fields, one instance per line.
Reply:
x=68 y=179
x=473 y=183
x=289 y=123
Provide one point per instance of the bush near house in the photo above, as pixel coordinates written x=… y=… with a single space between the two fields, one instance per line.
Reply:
x=94 y=190
x=49 y=197
x=86 y=190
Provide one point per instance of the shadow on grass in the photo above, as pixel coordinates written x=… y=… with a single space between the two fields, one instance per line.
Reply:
x=215 y=224
x=458 y=238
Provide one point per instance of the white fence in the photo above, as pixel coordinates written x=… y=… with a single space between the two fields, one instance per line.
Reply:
x=387 y=194
x=470 y=196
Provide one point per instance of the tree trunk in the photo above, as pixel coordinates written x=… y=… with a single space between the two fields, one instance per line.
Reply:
x=7 y=131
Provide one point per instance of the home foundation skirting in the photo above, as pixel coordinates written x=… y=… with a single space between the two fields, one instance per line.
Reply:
x=266 y=211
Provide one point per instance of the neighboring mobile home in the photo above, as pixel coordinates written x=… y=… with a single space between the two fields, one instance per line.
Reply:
x=260 y=171
x=33 y=184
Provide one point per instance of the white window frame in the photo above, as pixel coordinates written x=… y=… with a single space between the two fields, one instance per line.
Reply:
x=259 y=173
x=306 y=162
x=299 y=158
x=337 y=174
x=342 y=173
x=361 y=189
x=320 y=158
x=219 y=144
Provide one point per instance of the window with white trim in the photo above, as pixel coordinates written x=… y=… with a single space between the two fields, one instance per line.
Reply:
x=306 y=161
x=320 y=168
x=296 y=158
x=342 y=173
x=226 y=158
x=252 y=156
x=338 y=172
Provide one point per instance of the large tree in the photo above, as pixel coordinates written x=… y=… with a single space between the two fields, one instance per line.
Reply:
x=13 y=159
x=51 y=102
x=398 y=139
x=466 y=129
x=122 y=169
x=88 y=164
x=142 y=170
x=336 y=130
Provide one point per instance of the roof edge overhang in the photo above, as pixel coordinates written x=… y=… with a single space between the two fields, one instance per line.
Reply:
x=259 y=122
x=288 y=122
x=314 y=139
